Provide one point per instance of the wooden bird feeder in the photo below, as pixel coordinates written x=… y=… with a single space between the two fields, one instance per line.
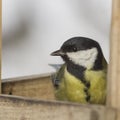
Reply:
x=37 y=101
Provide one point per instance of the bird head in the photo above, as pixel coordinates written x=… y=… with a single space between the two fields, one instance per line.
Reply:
x=81 y=51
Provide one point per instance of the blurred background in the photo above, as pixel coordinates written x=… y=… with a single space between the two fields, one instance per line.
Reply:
x=32 y=29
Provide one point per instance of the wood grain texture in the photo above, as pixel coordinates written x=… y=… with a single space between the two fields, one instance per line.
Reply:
x=113 y=98
x=16 y=108
x=38 y=86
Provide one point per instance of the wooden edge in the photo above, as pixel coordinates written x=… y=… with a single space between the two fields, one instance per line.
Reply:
x=13 y=107
x=30 y=77
x=113 y=91
x=0 y=39
x=33 y=86
x=54 y=102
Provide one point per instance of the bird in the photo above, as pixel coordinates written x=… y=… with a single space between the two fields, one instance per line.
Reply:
x=83 y=76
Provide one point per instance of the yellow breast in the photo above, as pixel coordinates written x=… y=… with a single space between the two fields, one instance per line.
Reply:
x=72 y=89
x=97 y=88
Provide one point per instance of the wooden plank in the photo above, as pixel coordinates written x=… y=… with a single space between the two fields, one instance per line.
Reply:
x=37 y=86
x=114 y=66
x=16 y=108
x=0 y=38
x=113 y=98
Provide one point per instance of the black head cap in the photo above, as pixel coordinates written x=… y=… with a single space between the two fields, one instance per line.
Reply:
x=75 y=44
x=79 y=43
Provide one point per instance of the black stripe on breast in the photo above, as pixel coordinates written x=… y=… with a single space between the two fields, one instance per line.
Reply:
x=78 y=72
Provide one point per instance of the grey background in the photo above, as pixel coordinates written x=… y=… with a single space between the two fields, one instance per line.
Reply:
x=32 y=29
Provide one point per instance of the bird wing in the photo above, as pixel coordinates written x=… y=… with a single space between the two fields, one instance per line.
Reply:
x=57 y=77
x=58 y=81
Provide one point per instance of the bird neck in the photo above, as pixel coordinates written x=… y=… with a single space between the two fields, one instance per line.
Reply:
x=76 y=70
x=98 y=65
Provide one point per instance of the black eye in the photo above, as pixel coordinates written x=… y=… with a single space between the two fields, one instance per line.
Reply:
x=74 y=49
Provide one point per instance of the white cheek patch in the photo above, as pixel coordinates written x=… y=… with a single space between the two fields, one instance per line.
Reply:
x=84 y=58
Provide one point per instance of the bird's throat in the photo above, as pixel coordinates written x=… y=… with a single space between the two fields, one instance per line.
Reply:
x=76 y=70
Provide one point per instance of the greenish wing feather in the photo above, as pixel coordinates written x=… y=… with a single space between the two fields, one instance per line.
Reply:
x=56 y=77
x=60 y=89
x=60 y=73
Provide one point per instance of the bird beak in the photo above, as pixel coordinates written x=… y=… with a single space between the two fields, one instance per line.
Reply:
x=57 y=53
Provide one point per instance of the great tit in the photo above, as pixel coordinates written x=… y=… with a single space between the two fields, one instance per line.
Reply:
x=82 y=78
